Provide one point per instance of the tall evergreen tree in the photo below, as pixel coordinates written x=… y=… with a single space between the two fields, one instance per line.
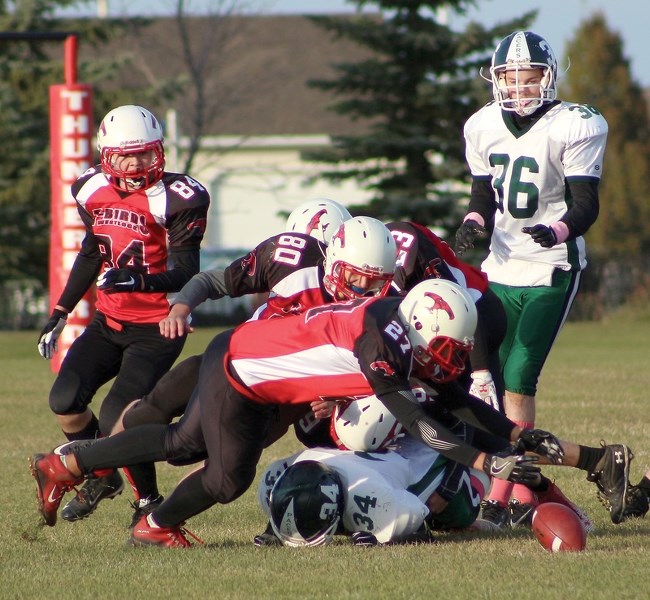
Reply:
x=600 y=75
x=416 y=89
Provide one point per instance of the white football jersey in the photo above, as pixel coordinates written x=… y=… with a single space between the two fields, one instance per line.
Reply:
x=528 y=171
x=384 y=492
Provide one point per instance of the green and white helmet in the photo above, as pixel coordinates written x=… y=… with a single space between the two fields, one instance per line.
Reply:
x=523 y=51
x=306 y=504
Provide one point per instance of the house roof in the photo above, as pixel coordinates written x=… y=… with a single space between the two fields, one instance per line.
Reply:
x=255 y=70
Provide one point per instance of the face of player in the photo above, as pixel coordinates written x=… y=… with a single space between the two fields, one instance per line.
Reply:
x=361 y=285
x=136 y=163
x=524 y=86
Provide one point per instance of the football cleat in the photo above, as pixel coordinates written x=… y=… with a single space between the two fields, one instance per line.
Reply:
x=144 y=534
x=637 y=503
x=495 y=513
x=88 y=497
x=521 y=513
x=612 y=478
x=263 y=540
x=53 y=480
x=143 y=507
x=555 y=494
x=71 y=447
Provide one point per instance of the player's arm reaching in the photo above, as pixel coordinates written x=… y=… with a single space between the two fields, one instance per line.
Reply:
x=506 y=465
x=207 y=285
x=203 y=286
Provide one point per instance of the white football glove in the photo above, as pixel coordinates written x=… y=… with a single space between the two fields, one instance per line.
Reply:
x=513 y=467
x=47 y=341
x=484 y=389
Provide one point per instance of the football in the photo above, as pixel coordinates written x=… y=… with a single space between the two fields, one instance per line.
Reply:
x=558 y=529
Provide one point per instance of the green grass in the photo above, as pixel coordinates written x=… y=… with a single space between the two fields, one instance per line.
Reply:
x=594 y=386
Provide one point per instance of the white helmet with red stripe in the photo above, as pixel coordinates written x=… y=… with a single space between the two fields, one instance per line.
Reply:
x=440 y=318
x=364 y=425
x=360 y=259
x=131 y=129
x=319 y=217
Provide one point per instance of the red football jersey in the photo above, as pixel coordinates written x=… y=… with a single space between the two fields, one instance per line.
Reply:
x=290 y=266
x=354 y=348
x=423 y=255
x=133 y=230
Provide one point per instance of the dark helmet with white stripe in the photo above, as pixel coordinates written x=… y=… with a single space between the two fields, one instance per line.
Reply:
x=306 y=504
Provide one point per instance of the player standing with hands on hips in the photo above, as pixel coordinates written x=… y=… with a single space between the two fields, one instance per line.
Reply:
x=536 y=163
x=137 y=218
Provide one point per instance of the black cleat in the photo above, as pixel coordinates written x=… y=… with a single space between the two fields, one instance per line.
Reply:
x=637 y=503
x=143 y=507
x=521 y=513
x=495 y=514
x=612 y=478
x=91 y=493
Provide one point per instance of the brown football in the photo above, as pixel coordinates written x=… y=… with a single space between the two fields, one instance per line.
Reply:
x=558 y=529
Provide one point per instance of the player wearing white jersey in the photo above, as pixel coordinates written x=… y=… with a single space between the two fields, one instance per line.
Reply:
x=527 y=170
x=536 y=163
x=386 y=494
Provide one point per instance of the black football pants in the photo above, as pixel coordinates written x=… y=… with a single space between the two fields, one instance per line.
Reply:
x=219 y=422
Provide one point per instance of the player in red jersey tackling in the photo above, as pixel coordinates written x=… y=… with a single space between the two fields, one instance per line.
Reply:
x=359 y=347
x=138 y=219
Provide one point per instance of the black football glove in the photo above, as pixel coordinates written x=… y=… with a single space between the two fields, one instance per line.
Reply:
x=542 y=235
x=541 y=442
x=364 y=538
x=466 y=234
x=119 y=280
x=48 y=338
x=512 y=467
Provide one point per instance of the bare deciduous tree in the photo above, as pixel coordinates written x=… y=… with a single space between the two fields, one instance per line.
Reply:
x=209 y=39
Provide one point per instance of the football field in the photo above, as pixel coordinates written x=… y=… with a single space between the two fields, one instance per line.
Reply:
x=595 y=387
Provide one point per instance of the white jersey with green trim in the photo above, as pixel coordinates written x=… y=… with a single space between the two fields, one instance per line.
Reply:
x=529 y=170
x=376 y=485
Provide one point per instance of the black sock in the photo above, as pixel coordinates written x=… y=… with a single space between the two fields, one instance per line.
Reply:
x=542 y=486
x=589 y=458
x=143 y=444
x=89 y=432
x=189 y=498
x=143 y=478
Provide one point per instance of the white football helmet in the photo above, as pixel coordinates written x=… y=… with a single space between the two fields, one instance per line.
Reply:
x=364 y=425
x=440 y=319
x=306 y=504
x=523 y=51
x=131 y=129
x=319 y=217
x=360 y=259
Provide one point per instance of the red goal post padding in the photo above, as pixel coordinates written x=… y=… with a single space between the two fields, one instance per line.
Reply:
x=71 y=132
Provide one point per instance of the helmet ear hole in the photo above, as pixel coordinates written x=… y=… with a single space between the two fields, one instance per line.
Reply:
x=306 y=504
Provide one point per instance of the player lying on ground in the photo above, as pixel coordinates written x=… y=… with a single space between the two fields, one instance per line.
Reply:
x=375 y=497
